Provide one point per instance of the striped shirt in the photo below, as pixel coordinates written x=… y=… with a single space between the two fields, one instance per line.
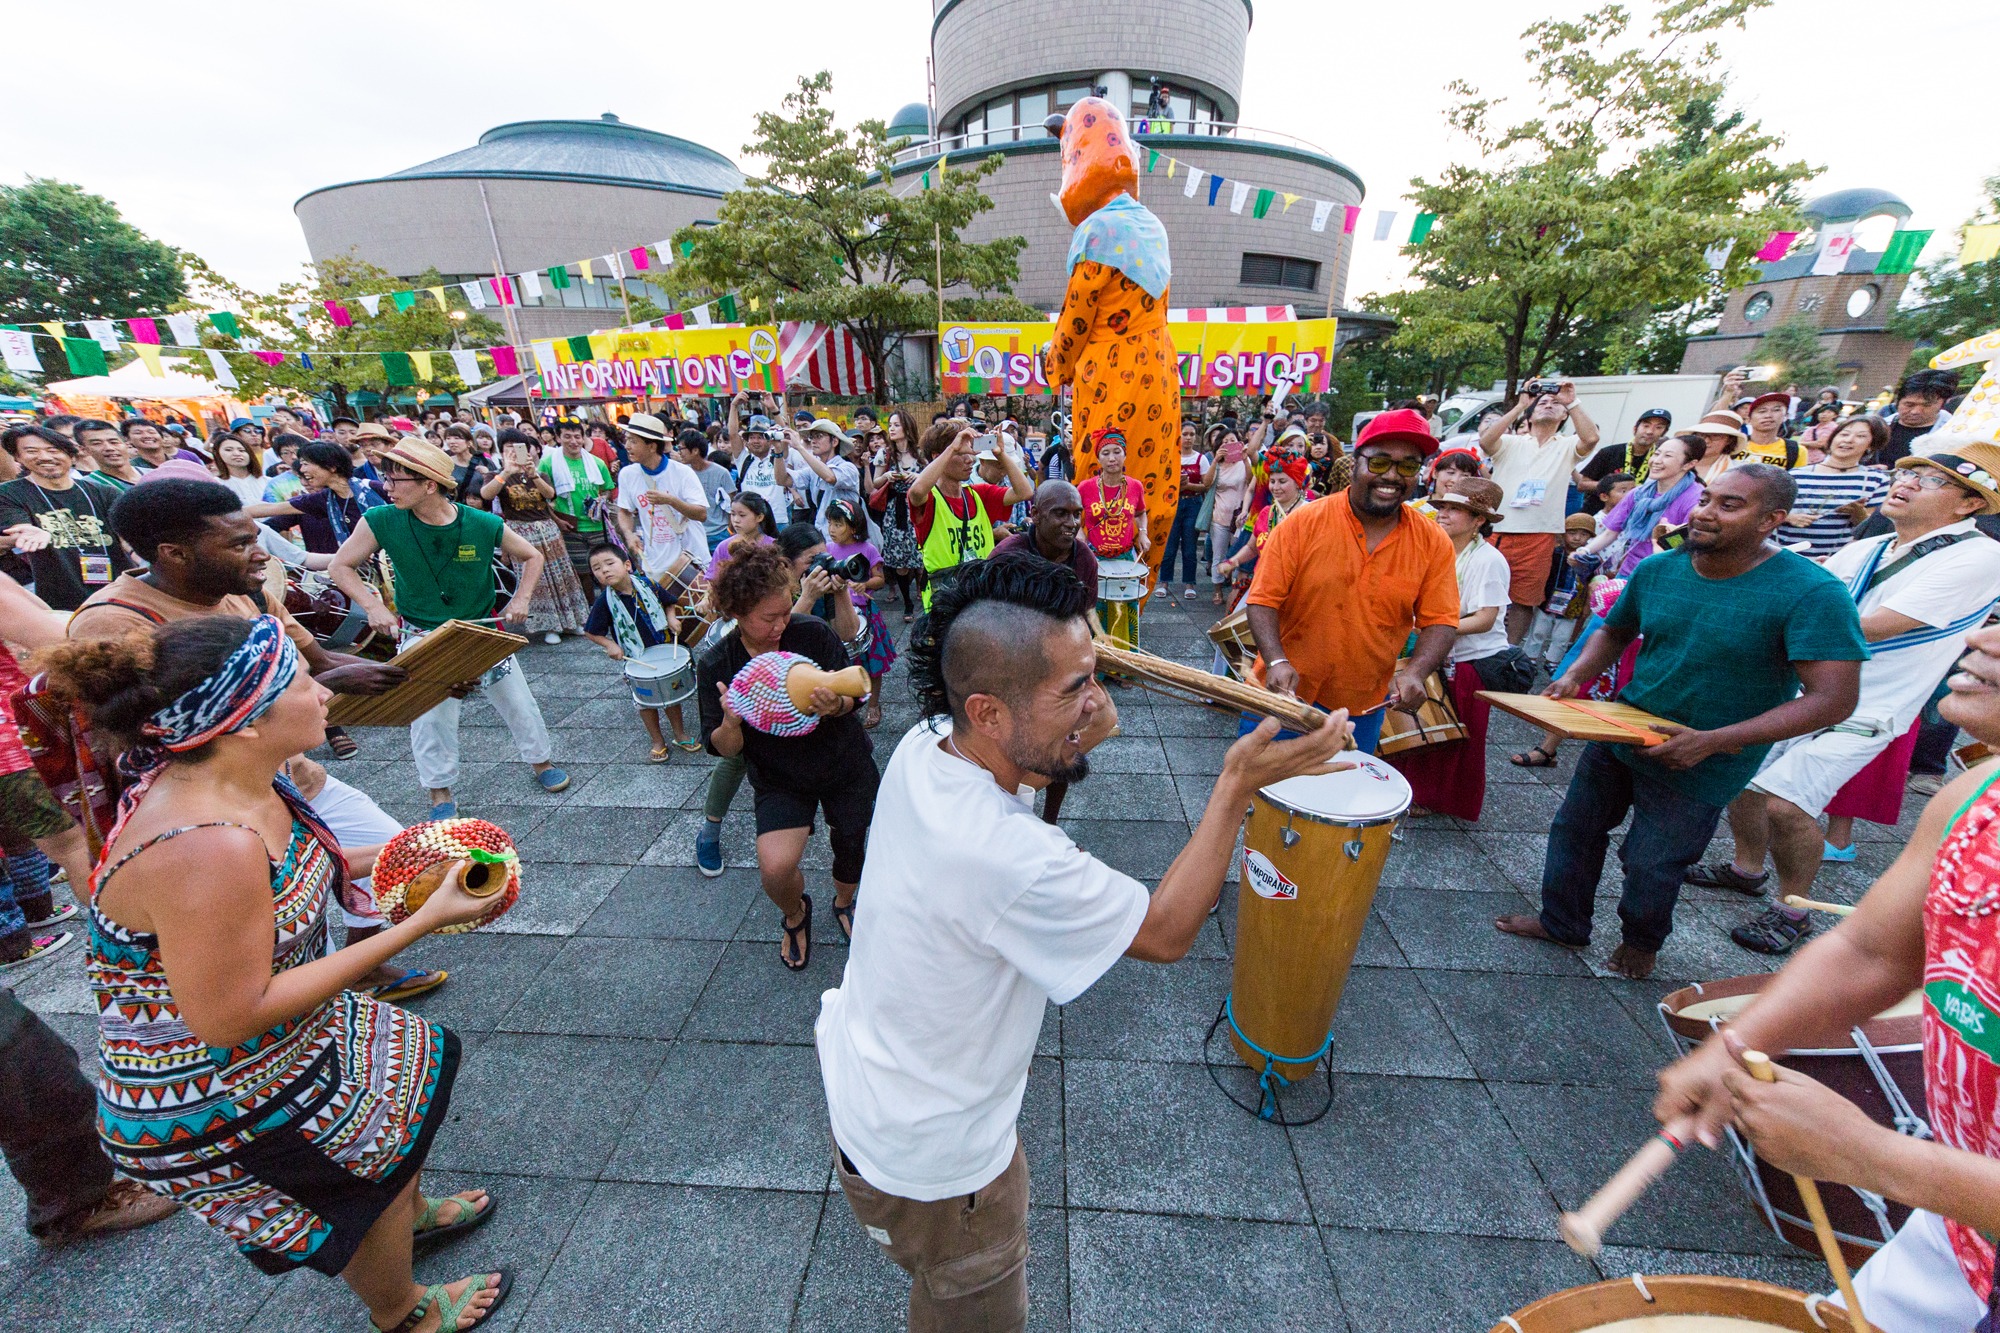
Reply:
x=1820 y=494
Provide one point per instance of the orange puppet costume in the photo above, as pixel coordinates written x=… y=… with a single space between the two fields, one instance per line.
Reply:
x=1111 y=344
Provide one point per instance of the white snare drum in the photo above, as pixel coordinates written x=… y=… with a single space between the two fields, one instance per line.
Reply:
x=1121 y=580
x=661 y=676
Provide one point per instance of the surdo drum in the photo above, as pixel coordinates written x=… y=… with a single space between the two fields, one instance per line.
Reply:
x=1121 y=586
x=1677 y=1305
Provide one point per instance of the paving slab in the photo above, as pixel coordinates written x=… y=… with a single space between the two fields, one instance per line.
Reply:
x=1197 y=1274
x=1397 y=1281
x=643 y=988
x=731 y=1114
x=543 y=1105
x=1544 y=1029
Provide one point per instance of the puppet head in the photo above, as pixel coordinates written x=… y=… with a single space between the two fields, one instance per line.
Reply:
x=1099 y=159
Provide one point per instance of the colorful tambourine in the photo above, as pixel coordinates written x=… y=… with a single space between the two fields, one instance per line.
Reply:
x=774 y=690
x=415 y=862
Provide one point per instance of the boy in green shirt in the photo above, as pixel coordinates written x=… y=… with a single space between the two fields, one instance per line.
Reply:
x=579 y=477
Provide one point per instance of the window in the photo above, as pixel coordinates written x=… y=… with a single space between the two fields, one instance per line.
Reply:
x=975 y=130
x=1000 y=121
x=1757 y=307
x=1066 y=97
x=1019 y=115
x=1034 y=110
x=1279 y=271
x=1861 y=300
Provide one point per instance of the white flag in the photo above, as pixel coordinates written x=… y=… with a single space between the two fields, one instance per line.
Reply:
x=219 y=371
x=665 y=250
x=1238 y=192
x=1384 y=219
x=104 y=331
x=531 y=289
x=1717 y=256
x=372 y=304
x=616 y=265
x=545 y=357
x=1322 y=209
x=17 y=349
x=1193 y=182
x=1835 y=245
x=700 y=316
x=475 y=295
x=467 y=364
x=183 y=329
x=297 y=313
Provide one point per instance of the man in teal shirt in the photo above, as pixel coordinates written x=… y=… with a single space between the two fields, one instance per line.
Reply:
x=1742 y=644
x=443 y=558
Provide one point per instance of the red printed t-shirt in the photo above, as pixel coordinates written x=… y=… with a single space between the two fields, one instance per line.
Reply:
x=992 y=498
x=1344 y=611
x=1110 y=522
x=14 y=756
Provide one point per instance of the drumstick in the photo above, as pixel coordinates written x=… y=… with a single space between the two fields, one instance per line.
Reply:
x=1814 y=904
x=1584 y=1229
x=1759 y=1065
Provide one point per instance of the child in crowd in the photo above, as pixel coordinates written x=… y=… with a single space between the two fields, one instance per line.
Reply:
x=630 y=615
x=751 y=523
x=1616 y=487
x=847 y=536
x=1564 y=602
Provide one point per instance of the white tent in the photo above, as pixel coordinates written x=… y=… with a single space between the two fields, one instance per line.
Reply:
x=135 y=381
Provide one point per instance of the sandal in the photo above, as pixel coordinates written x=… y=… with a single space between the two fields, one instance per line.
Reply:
x=688 y=744
x=1724 y=875
x=429 y=1231
x=1774 y=930
x=344 y=746
x=448 y=1309
x=871 y=716
x=660 y=755
x=799 y=936
x=1533 y=758
x=411 y=984
x=843 y=916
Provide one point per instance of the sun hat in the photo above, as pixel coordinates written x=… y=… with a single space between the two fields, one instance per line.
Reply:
x=1403 y=424
x=374 y=430
x=1580 y=523
x=647 y=427
x=1477 y=494
x=423 y=458
x=1972 y=463
x=826 y=426
x=1721 y=421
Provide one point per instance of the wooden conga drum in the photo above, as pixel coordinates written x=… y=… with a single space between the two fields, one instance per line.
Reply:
x=1677 y=1305
x=1312 y=855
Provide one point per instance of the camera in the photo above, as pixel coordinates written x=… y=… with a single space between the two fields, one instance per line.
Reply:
x=854 y=569
x=1536 y=388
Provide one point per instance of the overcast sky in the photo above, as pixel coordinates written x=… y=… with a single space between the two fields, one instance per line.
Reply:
x=205 y=122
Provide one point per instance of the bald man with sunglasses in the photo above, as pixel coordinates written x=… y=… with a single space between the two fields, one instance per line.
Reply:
x=1343 y=581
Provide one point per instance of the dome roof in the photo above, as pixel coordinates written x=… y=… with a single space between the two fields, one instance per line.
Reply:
x=604 y=151
x=1850 y=205
x=912 y=122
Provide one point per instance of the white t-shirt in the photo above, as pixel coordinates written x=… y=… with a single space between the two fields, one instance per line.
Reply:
x=1941 y=589
x=1534 y=481
x=973 y=916
x=846 y=485
x=1483 y=579
x=761 y=475
x=663 y=530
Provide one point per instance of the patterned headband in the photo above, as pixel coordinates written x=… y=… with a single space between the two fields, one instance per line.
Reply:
x=242 y=690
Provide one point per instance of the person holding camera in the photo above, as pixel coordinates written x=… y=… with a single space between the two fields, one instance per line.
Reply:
x=848 y=544
x=954 y=515
x=830 y=769
x=1535 y=469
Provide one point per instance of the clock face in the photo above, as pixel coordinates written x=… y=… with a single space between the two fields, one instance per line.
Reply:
x=1810 y=302
x=1757 y=307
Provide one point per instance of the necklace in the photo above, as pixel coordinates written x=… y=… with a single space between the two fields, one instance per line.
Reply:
x=433 y=566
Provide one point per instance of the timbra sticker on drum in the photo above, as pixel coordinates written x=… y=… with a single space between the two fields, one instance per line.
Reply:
x=1266 y=880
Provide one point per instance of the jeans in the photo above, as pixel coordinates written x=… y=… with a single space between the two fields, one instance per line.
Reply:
x=1935 y=737
x=434 y=736
x=48 y=1121
x=1184 y=537
x=1367 y=729
x=1669 y=833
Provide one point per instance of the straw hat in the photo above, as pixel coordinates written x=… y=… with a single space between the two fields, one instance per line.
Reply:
x=423 y=458
x=647 y=427
x=1477 y=494
x=1972 y=463
x=374 y=430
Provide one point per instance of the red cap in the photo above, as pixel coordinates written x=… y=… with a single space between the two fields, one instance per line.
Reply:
x=1405 y=424
x=1772 y=397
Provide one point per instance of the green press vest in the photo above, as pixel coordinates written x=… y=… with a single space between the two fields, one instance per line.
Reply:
x=954 y=539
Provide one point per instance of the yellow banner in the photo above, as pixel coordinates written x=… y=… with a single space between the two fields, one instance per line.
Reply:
x=1215 y=358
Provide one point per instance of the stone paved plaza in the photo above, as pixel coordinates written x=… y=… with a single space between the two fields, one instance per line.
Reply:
x=639 y=1088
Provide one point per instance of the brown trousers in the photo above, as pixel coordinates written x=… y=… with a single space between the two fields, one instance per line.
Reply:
x=967 y=1256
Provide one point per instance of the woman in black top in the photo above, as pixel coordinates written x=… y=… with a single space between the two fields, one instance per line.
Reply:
x=832 y=767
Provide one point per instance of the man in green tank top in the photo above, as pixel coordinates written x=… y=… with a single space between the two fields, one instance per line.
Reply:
x=442 y=553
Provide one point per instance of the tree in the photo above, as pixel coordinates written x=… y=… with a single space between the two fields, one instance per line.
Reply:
x=823 y=236
x=67 y=254
x=1793 y=349
x=1955 y=302
x=1598 y=207
x=295 y=319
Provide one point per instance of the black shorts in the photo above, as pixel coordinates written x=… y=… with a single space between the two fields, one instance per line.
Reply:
x=849 y=805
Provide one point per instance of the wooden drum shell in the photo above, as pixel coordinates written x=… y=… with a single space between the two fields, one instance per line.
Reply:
x=1580 y=1309
x=1435 y=722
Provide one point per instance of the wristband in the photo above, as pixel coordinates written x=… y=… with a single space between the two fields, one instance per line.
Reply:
x=1271 y=662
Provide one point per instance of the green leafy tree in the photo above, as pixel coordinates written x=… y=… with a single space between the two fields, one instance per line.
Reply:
x=824 y=235
x=1793 y=347
x=68 y=254
x=1596 y=208
x=1954 y=301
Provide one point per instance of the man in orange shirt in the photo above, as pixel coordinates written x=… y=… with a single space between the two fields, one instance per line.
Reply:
x=1344 y=580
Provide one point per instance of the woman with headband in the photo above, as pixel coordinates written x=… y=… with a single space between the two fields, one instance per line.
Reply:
x=241 y=1076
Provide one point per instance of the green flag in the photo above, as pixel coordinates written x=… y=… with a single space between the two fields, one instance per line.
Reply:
x=687 y=249
x=1264 y=198
x=1152 y=160
x=85 y=357
x=1421 y=227
x=1900 y=256
x=225 y=324
x=396 y=366
x=727 y=305
x=559 y=277
x=403 y=300
x=579 y=348
x=925 y=180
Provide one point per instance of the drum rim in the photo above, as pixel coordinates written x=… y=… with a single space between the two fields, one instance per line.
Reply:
x=656 y=671
x=1678 y=1289
x=1889 y=1036
x=1285 y=807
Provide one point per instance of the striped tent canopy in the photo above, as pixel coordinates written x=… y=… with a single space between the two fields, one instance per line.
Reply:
x=825 y=359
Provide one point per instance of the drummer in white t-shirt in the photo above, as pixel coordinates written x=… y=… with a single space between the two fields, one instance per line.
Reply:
x=661 y=503
x=973 y=915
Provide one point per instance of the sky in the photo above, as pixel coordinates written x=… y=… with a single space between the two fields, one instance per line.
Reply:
x=216 y=117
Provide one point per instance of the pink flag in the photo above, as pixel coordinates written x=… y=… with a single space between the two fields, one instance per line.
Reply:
x=1353 y=216
x=270 y=358
x=341 y=319
x=144 y=330
x=638 y=253
x=503 y=290
x=1774 y=249
x=504 y=361
x=673 y=321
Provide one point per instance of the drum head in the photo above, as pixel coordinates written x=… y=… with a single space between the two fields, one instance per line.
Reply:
x=1121 y=569
x=662 y=659
x=1372 y=792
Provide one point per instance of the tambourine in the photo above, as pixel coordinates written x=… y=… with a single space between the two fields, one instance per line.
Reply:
x=773 y=692
x=415 y=862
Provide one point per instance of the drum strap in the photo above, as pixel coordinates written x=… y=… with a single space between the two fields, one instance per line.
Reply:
x=1270 y=1081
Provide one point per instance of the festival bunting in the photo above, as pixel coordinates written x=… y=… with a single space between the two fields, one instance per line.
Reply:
x=1981 y=244
x=1900 y=255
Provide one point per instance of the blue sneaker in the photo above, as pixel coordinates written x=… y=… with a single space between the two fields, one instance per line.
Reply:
x=708 y=848
x=445 y=810
x=553 y=780
x=1840 y=854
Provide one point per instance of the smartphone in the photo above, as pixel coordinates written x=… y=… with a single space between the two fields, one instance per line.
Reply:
x=1673 y=538
x=985 y=442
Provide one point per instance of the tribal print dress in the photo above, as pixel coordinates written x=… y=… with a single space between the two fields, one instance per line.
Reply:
x=296 y=1141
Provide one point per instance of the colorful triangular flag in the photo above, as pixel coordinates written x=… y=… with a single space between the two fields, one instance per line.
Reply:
x=1322 y=210
x=665 y=250
x=1193 y=182
x=1263 y=204
x=338 y=313
x=17 y=350
x=372 y=304
x=583 y=268
x=1422 y=227
x=1774 y=249
x=404 y=300
x=1384 y=220
x=225 y=324
x=1981 y=244
x=505 y=361
x=1900 y=255
x=475 y=294
x=437 y=294
x=150 y=354
x=397 y=369
x=421 y=363
x=219 y=371
x=579 y=347
x=531 y=287
x=104 y=331
x=146 y=331
x=1351 y=219
x=1214 y=189
x=467 y=365
x=85 y=357
x=1290 y=199
x=727 y=305
x=638 y=253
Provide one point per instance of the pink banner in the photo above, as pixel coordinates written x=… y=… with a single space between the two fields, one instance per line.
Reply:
x=144 y=330
x=341 y=319
x=1774 y=249
x=505 y=362
x=638 y=253
x=1353 y=217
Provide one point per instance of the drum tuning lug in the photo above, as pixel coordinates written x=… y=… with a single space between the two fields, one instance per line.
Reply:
x=1353 y=849
x=1290 y=837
